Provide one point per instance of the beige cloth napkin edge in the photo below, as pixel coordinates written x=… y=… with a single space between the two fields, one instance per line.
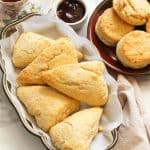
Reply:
x=133 y=133
x=144 y=111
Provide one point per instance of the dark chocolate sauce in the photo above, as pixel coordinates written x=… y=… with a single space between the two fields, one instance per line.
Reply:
x=71 y=11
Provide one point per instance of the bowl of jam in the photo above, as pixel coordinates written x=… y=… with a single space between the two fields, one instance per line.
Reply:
x=73 y=12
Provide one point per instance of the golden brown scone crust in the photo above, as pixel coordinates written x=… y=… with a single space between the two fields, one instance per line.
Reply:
x=28 y=47
x=110 y=28
x=134 y=12
x=133 y=50
x=59 y=53
x=47 y=105
x=82 y=81
x=80 y=56
x=148 y=25
x=77 y=131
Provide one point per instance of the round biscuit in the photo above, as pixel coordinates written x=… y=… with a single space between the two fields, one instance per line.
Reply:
x=133 y=50
x=110 y=28
x=134 y=12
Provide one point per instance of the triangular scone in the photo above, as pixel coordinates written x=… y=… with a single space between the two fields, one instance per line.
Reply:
x=81 y=81
x=77 y=131
x=47 y=105
x=59 y=53
x=28 y=47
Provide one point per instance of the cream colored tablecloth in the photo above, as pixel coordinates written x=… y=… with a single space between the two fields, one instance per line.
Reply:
x=13 y=136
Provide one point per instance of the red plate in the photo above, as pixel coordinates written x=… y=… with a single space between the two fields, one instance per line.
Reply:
x=107 y=53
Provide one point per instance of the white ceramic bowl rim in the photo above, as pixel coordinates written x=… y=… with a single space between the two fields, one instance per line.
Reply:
x=74 y=23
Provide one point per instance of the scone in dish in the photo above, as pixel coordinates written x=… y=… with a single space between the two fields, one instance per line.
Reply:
x=28 y=47
x=61 y=52
x=83 y=81
x=47 y=105
x=77 y=131
x=133 y=50
x=134 y=12
x=110 y=28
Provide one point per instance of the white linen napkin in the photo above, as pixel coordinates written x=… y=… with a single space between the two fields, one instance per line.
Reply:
x=144 y=111
x=134 y=132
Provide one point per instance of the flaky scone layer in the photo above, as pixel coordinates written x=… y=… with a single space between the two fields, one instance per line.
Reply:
x=134 y=12
x=110 y=28
x=133 y=50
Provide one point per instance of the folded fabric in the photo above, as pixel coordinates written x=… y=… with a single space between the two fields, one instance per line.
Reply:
x=144 y=111
x=132 y=132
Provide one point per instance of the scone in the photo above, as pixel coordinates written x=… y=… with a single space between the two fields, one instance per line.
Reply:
x=110 y=28
x=82 y=81
x=47 y=105
x=28 y=47
x=134 y=12
x=59 y=53
x=148 y=26
x=133 y=50
x=79 y=55
x=77 y=131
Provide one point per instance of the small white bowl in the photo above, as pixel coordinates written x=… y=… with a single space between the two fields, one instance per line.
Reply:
x=78 y=24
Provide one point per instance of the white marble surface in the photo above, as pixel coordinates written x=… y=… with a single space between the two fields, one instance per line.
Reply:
x=13 y=136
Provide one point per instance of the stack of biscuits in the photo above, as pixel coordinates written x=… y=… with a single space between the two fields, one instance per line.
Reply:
x=53 y=83
x=116 y=28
